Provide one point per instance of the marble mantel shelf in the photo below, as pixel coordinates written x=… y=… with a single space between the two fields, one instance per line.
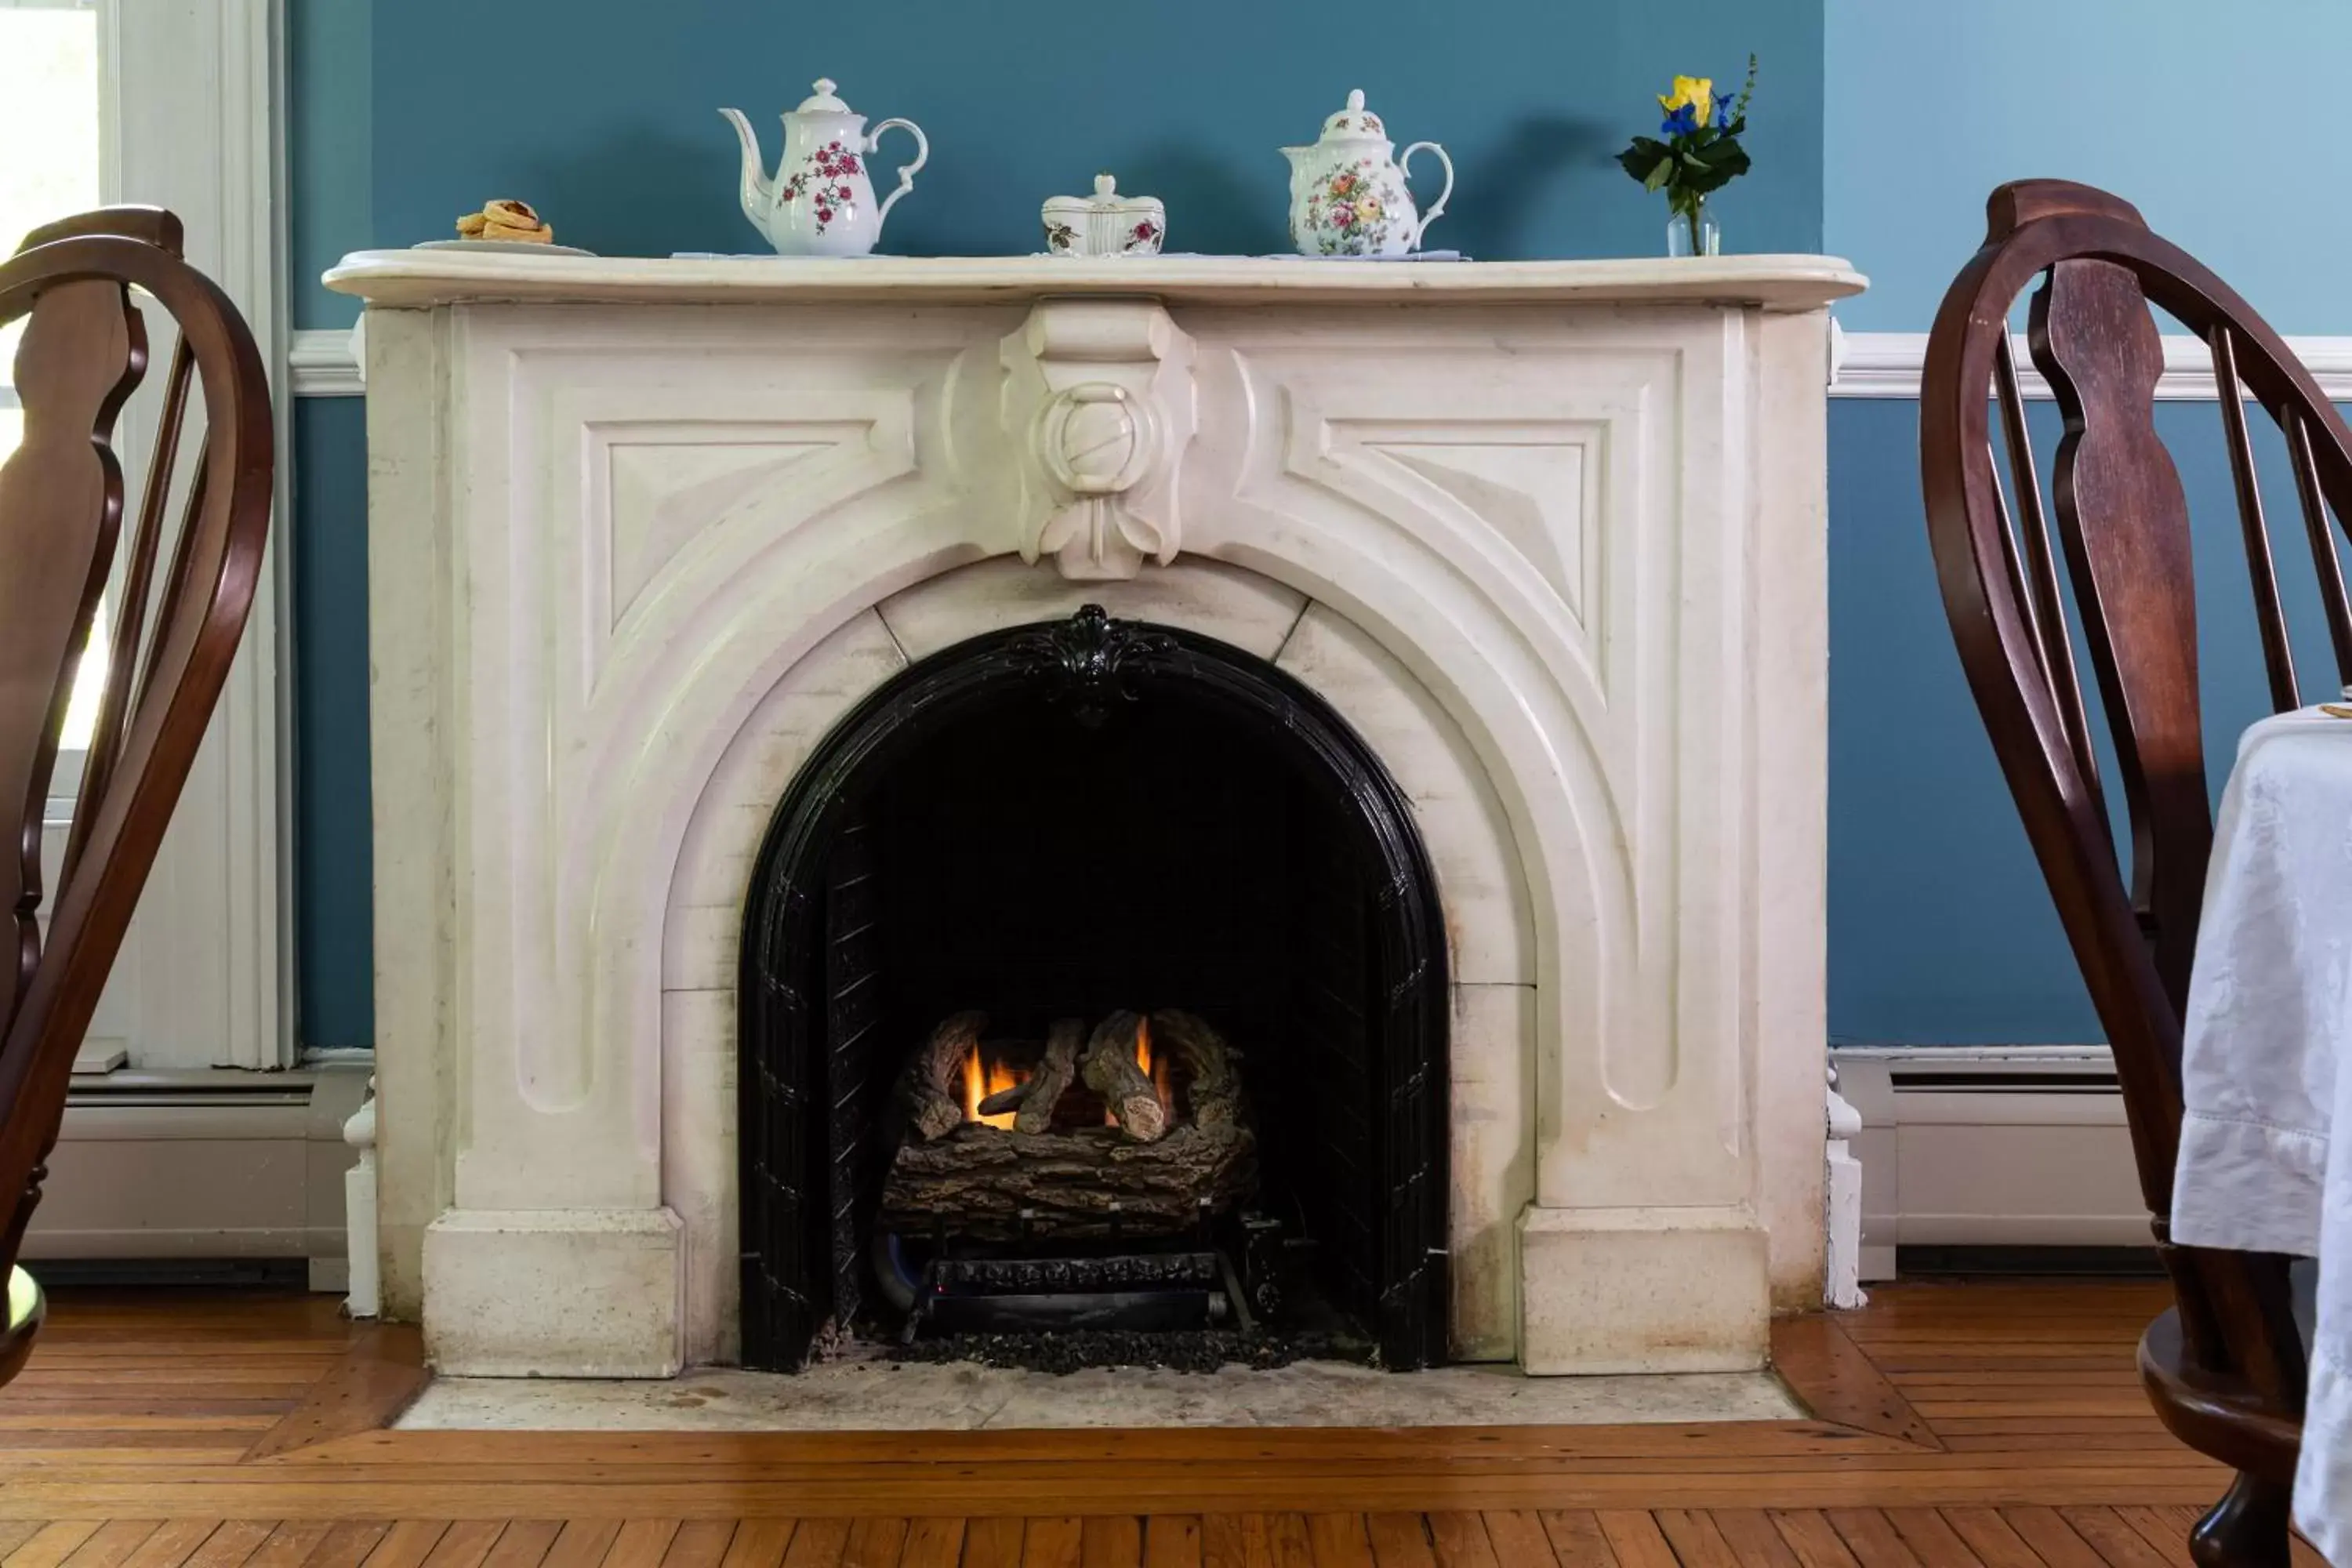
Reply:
x=420 y=278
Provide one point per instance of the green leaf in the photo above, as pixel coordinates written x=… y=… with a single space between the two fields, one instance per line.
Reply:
x=1659 y=175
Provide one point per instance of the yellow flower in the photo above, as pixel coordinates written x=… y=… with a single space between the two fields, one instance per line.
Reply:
x=1698 y=91
x=1368 y=209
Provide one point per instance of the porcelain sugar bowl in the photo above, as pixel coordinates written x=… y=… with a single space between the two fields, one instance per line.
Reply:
x=1347 y=195
x=820 y=202
x=1105 y=224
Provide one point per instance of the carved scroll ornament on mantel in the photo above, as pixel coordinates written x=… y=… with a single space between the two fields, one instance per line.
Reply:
x=1098 y=402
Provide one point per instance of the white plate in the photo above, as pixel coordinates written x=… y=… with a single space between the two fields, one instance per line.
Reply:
x=520 y=246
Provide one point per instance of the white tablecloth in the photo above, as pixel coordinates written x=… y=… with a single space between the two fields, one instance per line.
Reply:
x=2270 y=1009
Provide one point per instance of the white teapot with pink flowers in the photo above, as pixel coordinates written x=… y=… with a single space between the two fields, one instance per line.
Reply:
x=820 y=202
x=1347 y=195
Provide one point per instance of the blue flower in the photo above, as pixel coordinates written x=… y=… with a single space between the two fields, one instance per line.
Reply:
x=1723 y=114
x=1680 y=120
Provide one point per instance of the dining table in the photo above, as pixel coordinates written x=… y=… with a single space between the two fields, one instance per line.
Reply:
x=2268 y=1019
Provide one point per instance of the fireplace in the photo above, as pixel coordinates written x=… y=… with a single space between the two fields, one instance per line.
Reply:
x=672 y=559
x=1077 y=828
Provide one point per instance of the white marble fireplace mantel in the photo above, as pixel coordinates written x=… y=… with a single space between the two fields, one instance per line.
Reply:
x=1549 y=535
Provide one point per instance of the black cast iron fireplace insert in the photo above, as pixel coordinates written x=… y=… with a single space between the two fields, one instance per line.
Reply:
x=1072 y=819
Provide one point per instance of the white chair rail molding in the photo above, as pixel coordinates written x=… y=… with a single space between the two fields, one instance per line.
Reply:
x=646 y=538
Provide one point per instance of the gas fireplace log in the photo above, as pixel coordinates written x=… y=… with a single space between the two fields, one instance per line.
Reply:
x=929 y=1091
x=1054 y=1071
x=1087 y=1182
x=1004 y=1100
x=1215 y=1092
x=1110 y=1071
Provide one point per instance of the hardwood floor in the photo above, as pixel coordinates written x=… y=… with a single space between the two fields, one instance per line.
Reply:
x=1994 y=1424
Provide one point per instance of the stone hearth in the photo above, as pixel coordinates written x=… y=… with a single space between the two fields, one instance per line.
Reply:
x=1549 y=537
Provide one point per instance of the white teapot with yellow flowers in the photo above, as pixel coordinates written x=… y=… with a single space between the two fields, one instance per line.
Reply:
x=1347 y=195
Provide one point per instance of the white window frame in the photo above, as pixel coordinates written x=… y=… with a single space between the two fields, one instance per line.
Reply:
x=191 y=96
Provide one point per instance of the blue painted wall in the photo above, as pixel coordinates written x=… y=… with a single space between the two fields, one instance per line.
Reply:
x=603 y=112
x=1940 y=927
x=2177 y=103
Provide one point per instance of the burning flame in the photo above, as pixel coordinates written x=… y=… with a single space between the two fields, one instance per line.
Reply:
x=981 y=1080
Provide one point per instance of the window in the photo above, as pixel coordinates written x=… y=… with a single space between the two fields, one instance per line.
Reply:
x=49 y=166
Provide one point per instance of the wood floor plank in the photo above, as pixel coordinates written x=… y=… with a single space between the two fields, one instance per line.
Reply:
x=583 y=1543
x=377 y=1376
x=112 y=1542
x=2163 y=1530
x=644 y=1542
x=290 y=1544
x=2050 y=1536
x=1633 y=1537
x=1811 y=1538
x=2117 y=1543
x=16 y=1533
x=1339 y=1540
x=1754 y=1542
x=1053 y=1543
x=407 y=1545
x=1459 y=1540
x=1288 y=1541
x=1931 y=1539
x=874 y=1541
x=1696 y=1541
x=932 y=1541
x=52 y=1543
x=703 y=1542
x=762 y=1543
x=1111 y=1540
x=1234 y=1540
x=522 y=1544
x=1519 y=1539
x=172 y=1543
x=1576 y=1539
x=993 y=1543
x=1873 y=1539
x=347 y=1545
x=1172 y=1540
x=1400 y=1541
x=1838 y=1382
x=1988 y=1536
x=232 y=1545
x=816 y=1543
x=466 y=1544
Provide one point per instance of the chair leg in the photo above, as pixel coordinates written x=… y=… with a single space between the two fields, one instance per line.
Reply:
x=2247 y=1529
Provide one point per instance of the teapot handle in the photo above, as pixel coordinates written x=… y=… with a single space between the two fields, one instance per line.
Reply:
x=922 y=156
x=1437 y=207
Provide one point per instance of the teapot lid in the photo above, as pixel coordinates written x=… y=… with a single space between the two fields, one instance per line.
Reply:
x=1355 y=123
x=823 y=103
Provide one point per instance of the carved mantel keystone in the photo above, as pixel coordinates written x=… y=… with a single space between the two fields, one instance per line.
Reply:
x=1098 y=402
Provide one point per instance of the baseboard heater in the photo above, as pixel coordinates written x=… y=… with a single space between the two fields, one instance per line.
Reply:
x=1989 y=1147
x=161 y=1173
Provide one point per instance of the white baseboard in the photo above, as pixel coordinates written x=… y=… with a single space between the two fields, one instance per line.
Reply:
x=2004 y=1146
x=215 y=1164
x=1888 y=364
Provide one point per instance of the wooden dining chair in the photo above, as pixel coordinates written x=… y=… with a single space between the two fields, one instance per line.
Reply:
x=177 y=598
x=2225 y=1366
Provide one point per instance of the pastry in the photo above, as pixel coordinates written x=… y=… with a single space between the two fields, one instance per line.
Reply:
x=506 y=219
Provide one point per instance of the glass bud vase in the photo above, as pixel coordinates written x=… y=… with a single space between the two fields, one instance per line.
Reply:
x=1694 y=233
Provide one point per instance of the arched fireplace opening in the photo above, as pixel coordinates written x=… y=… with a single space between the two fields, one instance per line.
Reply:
x=1112 y=839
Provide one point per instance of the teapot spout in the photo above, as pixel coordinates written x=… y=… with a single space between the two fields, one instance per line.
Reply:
x=758 y=195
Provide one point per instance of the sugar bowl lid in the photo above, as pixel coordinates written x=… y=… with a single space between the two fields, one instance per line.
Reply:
x=822 y=101
x=1355 y=123
x=1106 y=199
